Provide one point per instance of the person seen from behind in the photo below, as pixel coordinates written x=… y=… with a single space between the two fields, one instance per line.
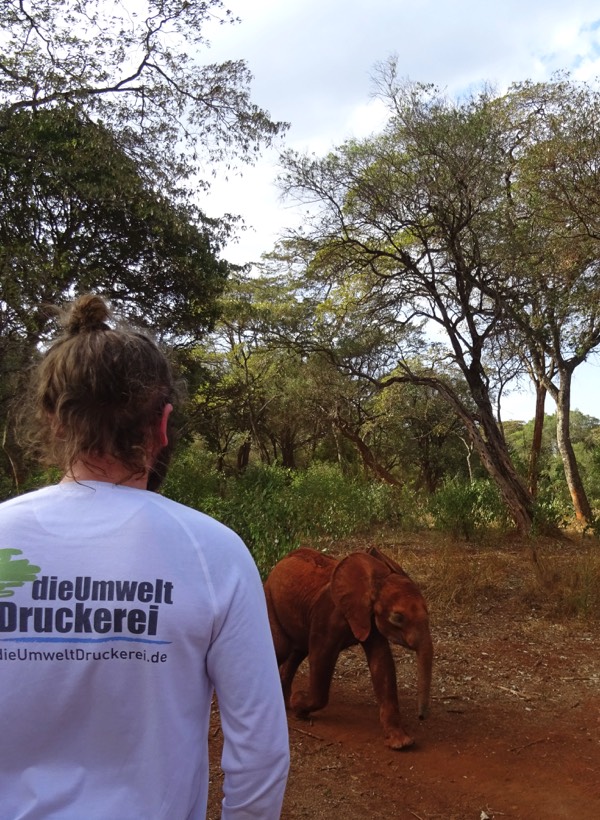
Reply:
x=122 y=612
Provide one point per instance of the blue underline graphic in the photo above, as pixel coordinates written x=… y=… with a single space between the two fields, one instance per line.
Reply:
x=80 y=640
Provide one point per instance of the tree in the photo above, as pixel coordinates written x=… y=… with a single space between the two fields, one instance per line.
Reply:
x=418 y=220
x=76 y=215
x=106 y=119
x=134 y=66
x=258 y=394
x=422 y=433
x=585 y=436
x=399 y=220
x=549 y=248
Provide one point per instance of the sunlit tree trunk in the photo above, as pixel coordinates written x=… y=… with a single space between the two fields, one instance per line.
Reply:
x=581 y=504
x=536 y=444
x=370 y=462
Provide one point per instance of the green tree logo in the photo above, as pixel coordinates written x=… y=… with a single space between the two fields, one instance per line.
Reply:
x=14 y=573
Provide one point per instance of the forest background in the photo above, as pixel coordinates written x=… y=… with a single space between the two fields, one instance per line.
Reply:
x=354 y=377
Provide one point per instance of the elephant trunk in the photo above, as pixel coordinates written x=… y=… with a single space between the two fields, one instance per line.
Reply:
x=424 y=668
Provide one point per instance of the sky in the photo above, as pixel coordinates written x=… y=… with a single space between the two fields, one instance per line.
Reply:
x=313 y=62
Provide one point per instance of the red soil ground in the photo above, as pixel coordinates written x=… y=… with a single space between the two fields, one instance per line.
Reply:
x=514 y=729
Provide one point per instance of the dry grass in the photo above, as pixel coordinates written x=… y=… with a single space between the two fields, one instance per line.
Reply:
x=556 y=578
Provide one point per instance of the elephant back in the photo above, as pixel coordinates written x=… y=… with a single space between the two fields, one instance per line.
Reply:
x=299 y=577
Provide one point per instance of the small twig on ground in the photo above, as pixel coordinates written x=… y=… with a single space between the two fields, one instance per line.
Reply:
x=308 y=734
x=575 y=678
x=414 y=814
x=514 y=692
x=526 y=745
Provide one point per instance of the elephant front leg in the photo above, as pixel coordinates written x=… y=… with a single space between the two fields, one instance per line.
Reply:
x=383 y=674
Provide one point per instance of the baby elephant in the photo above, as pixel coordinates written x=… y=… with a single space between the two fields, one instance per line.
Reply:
x=319 y=606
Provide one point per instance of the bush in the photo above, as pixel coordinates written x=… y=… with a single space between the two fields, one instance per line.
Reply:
x=259 y=507
x=273 y=509
x=34 y=481
x=193 y=479
x=550 y=511
x=462 y=509
x=328 y=503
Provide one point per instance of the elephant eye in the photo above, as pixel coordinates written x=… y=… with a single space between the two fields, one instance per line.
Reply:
x=396 y=618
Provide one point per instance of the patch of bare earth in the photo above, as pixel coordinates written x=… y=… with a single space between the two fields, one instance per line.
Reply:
x=514 y=729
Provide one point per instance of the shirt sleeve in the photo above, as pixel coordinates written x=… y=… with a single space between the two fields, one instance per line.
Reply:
x=242 y=666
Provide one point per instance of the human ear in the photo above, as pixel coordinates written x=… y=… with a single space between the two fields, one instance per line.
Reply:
x=163 y=437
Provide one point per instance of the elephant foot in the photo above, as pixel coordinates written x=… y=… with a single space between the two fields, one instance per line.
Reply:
x=399 y=740
x=302 y=705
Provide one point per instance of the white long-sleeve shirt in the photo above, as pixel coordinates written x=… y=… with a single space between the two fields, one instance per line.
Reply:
x=120 y=613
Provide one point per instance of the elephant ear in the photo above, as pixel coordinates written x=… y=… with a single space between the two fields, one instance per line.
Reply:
x=354 y=585
x=389 y=562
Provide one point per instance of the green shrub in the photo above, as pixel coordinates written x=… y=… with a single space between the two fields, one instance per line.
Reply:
x=327 y=502
x=193 y=479
x=398 y=507
x=34 y=481
x=550 y=510
x=258 y=505
x=462 y=509
x=273 y=509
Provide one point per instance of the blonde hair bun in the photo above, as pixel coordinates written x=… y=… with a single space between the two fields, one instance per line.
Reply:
x=88 y=313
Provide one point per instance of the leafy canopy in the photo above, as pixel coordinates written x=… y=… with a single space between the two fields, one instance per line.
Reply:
x=135 y=66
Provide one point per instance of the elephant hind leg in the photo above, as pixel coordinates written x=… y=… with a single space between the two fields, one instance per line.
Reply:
x=288 y=657
x=281 y=640
x=321 y=666
x=287 y=671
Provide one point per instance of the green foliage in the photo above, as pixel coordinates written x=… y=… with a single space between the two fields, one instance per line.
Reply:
x=259 y=506
x=458 y=206
x=552 y=508
x=135 y=66
x=274 y=509
x=35 y=480
x=105 y=114
x=78 y=214
x=192 y=478
x=553 y=505
x=462 y=509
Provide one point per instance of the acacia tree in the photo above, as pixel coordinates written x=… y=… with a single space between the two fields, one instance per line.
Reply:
x=549 y=248
x=258 y=394
x=400 y=219
x=75 y=215
x=451 y=216
x=106 y=104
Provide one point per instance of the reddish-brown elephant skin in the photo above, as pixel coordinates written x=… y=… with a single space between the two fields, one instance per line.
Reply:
x=319 y=605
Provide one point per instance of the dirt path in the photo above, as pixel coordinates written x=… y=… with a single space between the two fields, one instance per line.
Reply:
x=514 y=730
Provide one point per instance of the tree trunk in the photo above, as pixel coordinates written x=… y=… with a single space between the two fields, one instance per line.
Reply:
x=287 y=445
x=369 y=460
x=489 y=443
x=583 y=511
x=536 y=444
x=243 y=455
x=493 y=452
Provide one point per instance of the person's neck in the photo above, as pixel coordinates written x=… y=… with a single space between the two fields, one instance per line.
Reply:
x=106 y=469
